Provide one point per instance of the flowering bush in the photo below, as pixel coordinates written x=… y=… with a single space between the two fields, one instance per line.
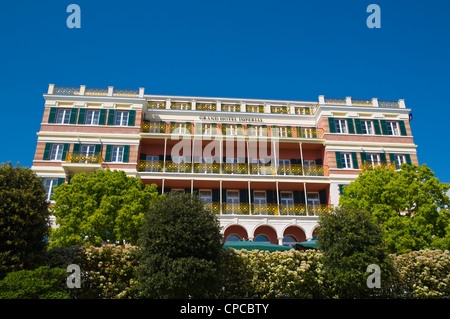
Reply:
x=423 y=274
x=287 y=274
x=108 y=271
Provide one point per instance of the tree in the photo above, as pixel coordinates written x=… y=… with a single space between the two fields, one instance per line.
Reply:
x=351 y=241
x=24 y=219
x=107 y=206
x=410 y=204
x=180 y=249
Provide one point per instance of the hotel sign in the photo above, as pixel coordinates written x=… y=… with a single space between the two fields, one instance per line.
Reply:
x=229 y=119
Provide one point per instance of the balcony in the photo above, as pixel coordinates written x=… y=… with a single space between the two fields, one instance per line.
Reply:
x=77 y=162
x=267 y=209
x=250 y=130
x=233 y=168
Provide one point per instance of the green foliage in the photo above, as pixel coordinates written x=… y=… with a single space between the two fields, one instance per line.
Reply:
x=423 y=274
x=108 y=271
x=107 y=206
x=23 y=219
x=410 y=204
x=180 y=249
x=41 y=283
x=350 y=241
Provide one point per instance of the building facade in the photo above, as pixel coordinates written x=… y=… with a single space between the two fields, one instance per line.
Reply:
x=267 y=168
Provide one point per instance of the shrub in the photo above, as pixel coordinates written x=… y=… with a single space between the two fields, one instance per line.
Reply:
x=41 y=283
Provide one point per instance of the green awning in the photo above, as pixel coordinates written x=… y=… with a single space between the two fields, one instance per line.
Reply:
x=254 y=245
x=312 y=244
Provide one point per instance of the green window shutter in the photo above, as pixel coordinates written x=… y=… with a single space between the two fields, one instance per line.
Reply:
x=323 y=197
x=65 y=151
x=131 y=117
x=215 y=195
x=358 y=126
x=341 y=189
x=108 y=153
x=61 y=180
x=355 y=160
x=73 y=116
x=82 y=116
x=52 y=115
x=102 y=117
x=408 y=159
x=402 y=126
x=48 y=147
x=76 y=148
x=243 y=196
x=270 y=197
x=98 y=148
x=126 y=153
x=392 y=157
x=376 y=126
x=363 y=157
x=111 y=117
x=289 y=129
x=297 y=197
x=351 y=128
x=384 y=127
x=332 y=125
x=338 y=159
x=383 y=158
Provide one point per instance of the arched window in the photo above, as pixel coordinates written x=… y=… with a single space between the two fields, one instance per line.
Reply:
x=289 y=240
x=262 y=238
x=232 y=238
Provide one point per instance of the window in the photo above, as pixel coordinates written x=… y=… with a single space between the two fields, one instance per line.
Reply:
x=373 y=159
x=392 y=128
x=121 y=118
x=261 y=239
x=232 y=238
x=87 y=150
x=206 y=196
x=49 y=184
x=259 y=198
x=280 y=132
x=287 y=203
x=232 y=205
x=284 y=166
x=92 y=117
x=257 y=131
x=399 y=160
x=152 y=163
x=63 y=116
x=56 y=152
x=313 y=198
x=117 y=154
x=207 y=129
x=341 y=126
x=289 y=240
x=366 y=127
x=346 y=159
x=232 y=129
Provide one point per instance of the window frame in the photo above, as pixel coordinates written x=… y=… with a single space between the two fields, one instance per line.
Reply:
x=65 y=118
x=370 y=156
x=346 y=160
x=120 y=119
x=58 y=152
x=116 y=155
x=92 y=117
x=367 y=128
x=49 y=190
x=392 y=128
x=341 y=129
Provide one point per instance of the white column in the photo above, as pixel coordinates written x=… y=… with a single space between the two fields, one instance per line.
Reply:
x=82 y=89
x=401 y=104
x=110 y=90
x=164 y=158
x=249 y=200
x=301 y=158
x=162 y=187
x=168 y=103
x=306 y=199
x=220 y=196
x=141 y=92
x=375 y=102
x=348 y=100
x=321 y=99
x=243 y=107
x=278 y=198
x=51 y=89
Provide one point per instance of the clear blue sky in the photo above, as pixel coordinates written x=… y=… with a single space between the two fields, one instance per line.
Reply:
x=292 y=50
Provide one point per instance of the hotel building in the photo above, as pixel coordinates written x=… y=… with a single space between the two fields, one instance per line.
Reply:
x=267 y=168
